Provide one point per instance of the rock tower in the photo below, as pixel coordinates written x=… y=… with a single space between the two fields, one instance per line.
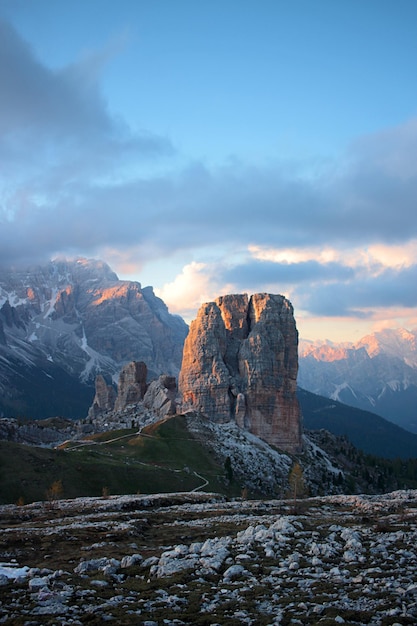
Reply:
x=240 y=364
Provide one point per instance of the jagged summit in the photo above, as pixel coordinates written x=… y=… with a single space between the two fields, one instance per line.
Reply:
x=64 y=322
x=16 y=282
x=240 y=364
x=378 y=373
x=400 y=343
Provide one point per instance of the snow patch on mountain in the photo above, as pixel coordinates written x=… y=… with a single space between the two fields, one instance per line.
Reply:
x=78 y=317
x=49 y=305
x=13 y=298
x=378 y=373
x=96 y=361
x=336 y=394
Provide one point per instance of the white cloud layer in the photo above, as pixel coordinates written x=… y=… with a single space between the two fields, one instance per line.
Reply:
x=188 y=290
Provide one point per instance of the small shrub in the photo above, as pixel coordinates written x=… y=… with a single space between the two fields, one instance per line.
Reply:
x=55 y=492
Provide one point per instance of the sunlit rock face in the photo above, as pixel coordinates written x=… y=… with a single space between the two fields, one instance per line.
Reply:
x=240 y=364
x=65 y=322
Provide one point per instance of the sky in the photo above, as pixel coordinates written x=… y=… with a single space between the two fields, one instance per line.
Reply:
x=218 y=146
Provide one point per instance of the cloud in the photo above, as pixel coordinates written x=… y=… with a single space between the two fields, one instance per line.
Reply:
x=340 y=238
x=392 y=288
x=259 y=274
x=392 y=152
x=190 y=288
x=37 y=100
x=81 y=208
x=377 y=283
x=58 y=144
x=63 y=105
x=82 y=204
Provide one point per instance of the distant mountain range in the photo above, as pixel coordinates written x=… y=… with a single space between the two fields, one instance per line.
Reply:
x=64 y=322
x=365 y=430
x=377 y=374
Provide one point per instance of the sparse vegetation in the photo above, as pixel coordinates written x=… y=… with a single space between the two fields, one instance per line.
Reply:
x=165 y=458
x=55 y=491
x=343 y=559
x=296 y=483
x=168 y=457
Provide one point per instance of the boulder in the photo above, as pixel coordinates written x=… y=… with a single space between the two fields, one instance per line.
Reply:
x=160 y=396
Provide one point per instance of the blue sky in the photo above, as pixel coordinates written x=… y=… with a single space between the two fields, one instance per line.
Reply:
x=218 y=146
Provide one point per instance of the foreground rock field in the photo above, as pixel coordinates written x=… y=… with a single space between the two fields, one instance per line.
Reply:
x=197 y=559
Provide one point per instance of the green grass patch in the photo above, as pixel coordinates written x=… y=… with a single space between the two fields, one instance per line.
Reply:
x=165 y=457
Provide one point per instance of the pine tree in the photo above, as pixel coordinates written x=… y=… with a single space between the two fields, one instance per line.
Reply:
x=296 y=482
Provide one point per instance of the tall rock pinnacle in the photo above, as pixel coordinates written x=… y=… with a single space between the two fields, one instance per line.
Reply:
x=240 y=364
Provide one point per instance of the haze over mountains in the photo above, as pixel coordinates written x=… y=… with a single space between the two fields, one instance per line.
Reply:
x=64 y=322
x=377 y=373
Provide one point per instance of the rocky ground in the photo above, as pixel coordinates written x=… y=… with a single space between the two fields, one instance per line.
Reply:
x=198 y=559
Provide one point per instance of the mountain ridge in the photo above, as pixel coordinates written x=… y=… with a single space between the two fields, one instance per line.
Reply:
x=63 y=322
x=367 y=431
x=69 y=320
x=378 y=373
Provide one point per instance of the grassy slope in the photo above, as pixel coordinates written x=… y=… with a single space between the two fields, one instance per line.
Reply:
x=163 y=459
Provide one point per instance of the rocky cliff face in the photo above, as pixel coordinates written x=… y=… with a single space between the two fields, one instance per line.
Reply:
x=64 y=323
x=132 y=385
x=240 y=364
x=135 y=401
